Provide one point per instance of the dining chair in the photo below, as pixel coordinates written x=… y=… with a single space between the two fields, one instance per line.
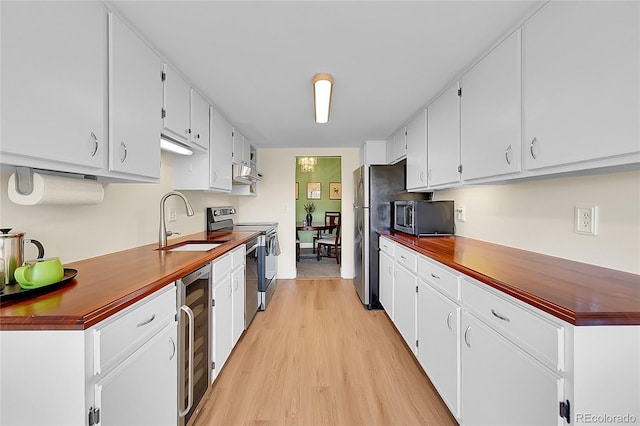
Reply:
x=330 y=242
x=330 y=219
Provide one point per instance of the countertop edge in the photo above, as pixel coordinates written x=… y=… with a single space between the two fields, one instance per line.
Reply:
x=570 y=316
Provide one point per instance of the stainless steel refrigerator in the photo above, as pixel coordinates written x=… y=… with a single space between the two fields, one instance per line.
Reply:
x=375 y=187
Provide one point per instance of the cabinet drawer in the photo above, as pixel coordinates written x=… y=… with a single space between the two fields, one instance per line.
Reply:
x=528 y=329
x=407 y=258
x=439 y=277
x=115 y=338
x=221 y=267
x=238 y=257
x=387 y=246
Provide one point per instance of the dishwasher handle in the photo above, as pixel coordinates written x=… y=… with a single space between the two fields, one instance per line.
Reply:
x=189 y=313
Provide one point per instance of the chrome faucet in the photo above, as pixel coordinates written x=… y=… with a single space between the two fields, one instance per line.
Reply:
x=163 y=226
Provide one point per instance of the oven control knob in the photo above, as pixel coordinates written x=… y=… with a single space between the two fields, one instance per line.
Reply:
x=216 y=213
x=232 y=211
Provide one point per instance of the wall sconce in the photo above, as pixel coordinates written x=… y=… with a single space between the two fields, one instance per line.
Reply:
x=322 y=91
x=307 y=164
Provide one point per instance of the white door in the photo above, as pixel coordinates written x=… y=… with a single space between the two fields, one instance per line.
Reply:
x=222 y=339
x=199 y=120
x=581 y=82
x=404 y=304
x=54 y=75
x=135 y=103
x=177 y=99
x=143 y=389
x=438 y=337
x=501 y=385
x=417 y=151
x=490 y=113
x=238 y=288
x=443 y=132
x=221 y=152
x=386 y=283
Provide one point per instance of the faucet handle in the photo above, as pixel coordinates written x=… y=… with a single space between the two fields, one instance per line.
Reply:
x=170 y=233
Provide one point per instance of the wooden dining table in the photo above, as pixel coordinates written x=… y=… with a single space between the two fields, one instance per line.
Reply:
x=316 y=227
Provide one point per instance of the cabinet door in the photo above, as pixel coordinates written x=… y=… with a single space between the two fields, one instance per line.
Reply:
x=443 y=132
x=438 y=337
x=404 y=304
x=177 y=94
x=400 y=144
x=417 y=151
x=221 y=152
x=490 y=113
x=581 y=82
x=390 y=148
x=238 y=288
x=142 y=389
x=222 y=340
x=501 y=385
x=135 y=102
x=386 y=283
x=199 y=120
x=238 y=147
x=54 y=74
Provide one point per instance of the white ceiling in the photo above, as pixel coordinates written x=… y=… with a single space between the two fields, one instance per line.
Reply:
x=254 y=60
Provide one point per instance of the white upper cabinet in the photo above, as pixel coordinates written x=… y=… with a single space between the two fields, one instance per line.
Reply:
x=221 y=152
x=581 y=83
x=443 y=132
x=176 y=119
x=490 y=113
x=54 y=71
x=199 y=120
x=135 y=101
x=397 y=146
x=417 y=151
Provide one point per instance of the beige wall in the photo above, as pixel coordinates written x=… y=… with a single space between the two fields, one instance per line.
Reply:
x=539 y=216
x=276 y=201
x=129 y=216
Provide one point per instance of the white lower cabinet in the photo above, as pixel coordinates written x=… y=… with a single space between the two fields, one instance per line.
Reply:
x=129 y=394
x=228 y=306
x=385 y=292
x=503 y=385
x=439 y=343
x=404 y=304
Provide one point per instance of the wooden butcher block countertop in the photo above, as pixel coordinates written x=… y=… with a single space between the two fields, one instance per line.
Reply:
x=107 y=284
x=578 y=293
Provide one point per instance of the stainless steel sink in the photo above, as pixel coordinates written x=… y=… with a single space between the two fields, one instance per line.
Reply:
x=195 y=247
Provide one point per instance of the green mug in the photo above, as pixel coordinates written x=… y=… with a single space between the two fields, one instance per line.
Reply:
x=39 y=272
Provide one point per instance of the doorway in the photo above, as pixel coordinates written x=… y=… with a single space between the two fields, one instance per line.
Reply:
x=318 y=194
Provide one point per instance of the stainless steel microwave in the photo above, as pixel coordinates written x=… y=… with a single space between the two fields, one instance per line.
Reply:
x=423 y=218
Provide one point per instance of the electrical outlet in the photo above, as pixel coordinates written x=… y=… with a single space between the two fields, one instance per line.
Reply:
x=172 y=214
x=585 y=219
x=461 y=214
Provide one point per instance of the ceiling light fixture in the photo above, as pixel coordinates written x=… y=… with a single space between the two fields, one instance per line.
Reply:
x=322 y=91
x=167 y=144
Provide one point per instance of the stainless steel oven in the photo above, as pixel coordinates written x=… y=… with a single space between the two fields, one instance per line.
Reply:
x=251 y=302
x=194 y=360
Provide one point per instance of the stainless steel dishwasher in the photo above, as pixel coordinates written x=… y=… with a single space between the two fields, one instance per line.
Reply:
x=194 y=360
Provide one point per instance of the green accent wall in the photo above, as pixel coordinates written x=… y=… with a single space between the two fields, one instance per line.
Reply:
x=327 y=169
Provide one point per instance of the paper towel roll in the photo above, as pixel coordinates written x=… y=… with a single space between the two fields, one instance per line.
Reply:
x=48 y=189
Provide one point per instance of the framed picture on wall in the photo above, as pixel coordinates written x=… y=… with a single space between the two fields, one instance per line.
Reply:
x=314 y=190
x=297 y=191
x=335 y=190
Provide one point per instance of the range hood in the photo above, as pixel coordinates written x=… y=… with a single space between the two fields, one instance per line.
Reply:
x=245 y=174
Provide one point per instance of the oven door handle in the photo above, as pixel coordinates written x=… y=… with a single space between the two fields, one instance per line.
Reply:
x=189 y=313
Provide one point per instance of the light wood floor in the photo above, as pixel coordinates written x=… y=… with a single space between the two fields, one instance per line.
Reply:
x=317 y=357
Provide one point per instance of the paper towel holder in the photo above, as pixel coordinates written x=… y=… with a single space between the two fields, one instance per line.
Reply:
x=24 y=180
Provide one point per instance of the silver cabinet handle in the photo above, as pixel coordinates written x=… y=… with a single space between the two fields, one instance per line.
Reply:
x=95 y=144
x=215 y=176
x=173 y=348
x=143 y=323
x=497 y=315
x=189 y=313
x=123 y=149
x=507 y=155
x=402 y=257
x=421 y=176
x=435 y=276
x=449 y=321
x=466 y=336
x=531 y=147
x=188 y=131
x=236 y=286
x=198 y=136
